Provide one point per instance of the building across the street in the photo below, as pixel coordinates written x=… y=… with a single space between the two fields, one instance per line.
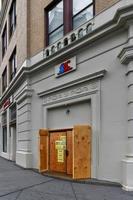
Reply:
x=66 y=71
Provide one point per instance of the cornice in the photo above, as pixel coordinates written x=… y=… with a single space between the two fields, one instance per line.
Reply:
x=27 y=93
x=126 y=54
x=22 y=76
x=90 y=77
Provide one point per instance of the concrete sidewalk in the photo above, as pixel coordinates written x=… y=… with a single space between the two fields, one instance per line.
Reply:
x=20 y=184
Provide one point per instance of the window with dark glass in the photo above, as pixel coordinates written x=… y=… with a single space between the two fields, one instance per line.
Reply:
x=4 y=131
x=12 y=18
x=4 y=41
x=4 y=80
x=65 y=15
x=13 y=114
x=4 y=139
x=12 y=65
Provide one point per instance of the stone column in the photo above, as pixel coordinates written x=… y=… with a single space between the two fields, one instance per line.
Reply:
x=24 y=143
x=126 y=58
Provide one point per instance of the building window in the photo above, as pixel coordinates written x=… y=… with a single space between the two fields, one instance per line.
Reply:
x=82 y=12
x=12 y=18
x=4 y=41
x=65 y=15
x=12 y=65
x=4 y=80
x=4 y=131
x=13 y=114
x=5 y=139
x=55 y=23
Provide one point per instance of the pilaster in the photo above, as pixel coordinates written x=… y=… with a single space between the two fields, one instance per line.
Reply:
x=126 y=58
x=24 y=153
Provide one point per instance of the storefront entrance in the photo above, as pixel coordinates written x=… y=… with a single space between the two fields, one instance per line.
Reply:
x=66 y=151
x=61 y=151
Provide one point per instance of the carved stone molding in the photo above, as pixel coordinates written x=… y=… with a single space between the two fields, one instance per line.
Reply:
x=126 y=55
x=89 y=77
x=27 y=93
x=81 y=87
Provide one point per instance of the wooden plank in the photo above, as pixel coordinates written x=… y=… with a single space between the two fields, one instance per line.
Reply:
x=81 y=152
x=43 y=132
x=43 y=150
x=69 y=152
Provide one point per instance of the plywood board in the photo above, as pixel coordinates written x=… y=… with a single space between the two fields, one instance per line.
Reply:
x=69 y=152
x=81 y=152
x=43 y=150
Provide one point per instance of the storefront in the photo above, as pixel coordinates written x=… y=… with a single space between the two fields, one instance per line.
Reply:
x=66 y=152
x=88 y=83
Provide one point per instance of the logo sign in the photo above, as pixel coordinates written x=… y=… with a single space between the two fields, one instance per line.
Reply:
x=65 y=67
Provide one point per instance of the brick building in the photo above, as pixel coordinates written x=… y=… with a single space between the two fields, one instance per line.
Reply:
x=66 y=66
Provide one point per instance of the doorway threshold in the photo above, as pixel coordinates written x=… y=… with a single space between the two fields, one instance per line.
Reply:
x=58 y=175
x=92 y=181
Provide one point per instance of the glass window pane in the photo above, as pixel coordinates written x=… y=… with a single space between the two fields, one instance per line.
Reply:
x=5 y=139
x=83 y=17
x=79 y=5
x=55 y=17
x=56 y=35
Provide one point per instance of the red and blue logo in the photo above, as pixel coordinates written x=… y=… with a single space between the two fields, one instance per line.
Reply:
x=65 y=67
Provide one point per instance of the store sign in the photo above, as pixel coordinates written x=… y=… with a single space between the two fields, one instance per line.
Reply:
x=65 y=67
x=6 y=104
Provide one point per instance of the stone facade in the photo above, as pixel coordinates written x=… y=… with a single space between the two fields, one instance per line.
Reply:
x=98 y=91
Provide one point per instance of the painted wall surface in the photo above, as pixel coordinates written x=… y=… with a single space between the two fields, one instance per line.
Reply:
x=104 y=106
x=69 y=115
x=112 y=134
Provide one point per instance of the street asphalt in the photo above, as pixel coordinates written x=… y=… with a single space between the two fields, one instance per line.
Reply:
x=19 y=184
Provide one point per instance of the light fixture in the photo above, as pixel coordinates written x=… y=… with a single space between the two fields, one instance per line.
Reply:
x=67 y=111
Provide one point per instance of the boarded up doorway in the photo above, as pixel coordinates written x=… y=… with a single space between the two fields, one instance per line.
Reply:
x=60 y=149
x=66 y=151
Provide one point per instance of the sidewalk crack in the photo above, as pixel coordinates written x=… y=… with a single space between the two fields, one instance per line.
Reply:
x=18 y=195
x=74 y=191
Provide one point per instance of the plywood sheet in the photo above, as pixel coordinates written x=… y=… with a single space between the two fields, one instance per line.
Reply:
x=81 y=152
x=69 y=152
x=43 y=150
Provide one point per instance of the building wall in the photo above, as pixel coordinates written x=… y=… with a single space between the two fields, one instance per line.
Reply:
x=112 y=133
x=10 y=44
x=22 y=33
x=37 y=26
x=37 y=22
x=18 y=39
x=103 y=4
x=29 y=35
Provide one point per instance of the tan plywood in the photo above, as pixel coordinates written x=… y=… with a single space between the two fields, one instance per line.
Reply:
x=43 y=150
x=69 y=152
x=81 y=152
